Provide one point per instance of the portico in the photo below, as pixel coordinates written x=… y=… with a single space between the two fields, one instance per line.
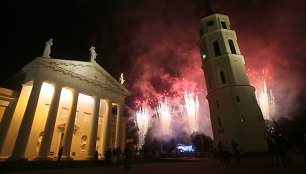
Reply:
x=65 y=103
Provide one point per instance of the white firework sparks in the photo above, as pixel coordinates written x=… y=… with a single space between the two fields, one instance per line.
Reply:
x=164 y=113
x=192 y=110
x=143 y=120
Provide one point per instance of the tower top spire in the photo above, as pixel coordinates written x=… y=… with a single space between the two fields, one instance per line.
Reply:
x=208 y=8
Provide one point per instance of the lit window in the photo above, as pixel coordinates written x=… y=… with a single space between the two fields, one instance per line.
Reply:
x=242 y=119
x=203 y=56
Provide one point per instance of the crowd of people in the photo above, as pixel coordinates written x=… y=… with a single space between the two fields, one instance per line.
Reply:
x=226 y=152
x=279 y=149
x=111 y=156
x=116 y=154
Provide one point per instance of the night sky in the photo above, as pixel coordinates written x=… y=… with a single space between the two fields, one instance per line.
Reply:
x=154 y=42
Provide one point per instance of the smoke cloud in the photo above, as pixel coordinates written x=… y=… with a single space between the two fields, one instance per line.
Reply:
x=165 y=57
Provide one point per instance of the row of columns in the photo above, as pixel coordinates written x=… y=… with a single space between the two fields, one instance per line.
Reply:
x=6 y=119
x=27 y=121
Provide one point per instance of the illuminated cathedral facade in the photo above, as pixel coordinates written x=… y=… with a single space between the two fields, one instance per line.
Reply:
x=234 y=111
x=76 y=105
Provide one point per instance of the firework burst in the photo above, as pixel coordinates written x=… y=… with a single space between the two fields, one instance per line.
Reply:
x=264 y=93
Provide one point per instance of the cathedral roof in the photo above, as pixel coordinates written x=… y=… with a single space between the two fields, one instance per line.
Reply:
x=82 y=72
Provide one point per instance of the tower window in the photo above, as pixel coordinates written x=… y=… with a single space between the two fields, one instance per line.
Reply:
x=237 y=99
x=210 y=23
x=232 y=46
x=222 y=77
x=219 y=121
x=242 y=119
x=223 y=24
x=259 y=117
x=253 y=98
x=216 y=48
x=201 y=32
x=218 y=105
x=221 y=130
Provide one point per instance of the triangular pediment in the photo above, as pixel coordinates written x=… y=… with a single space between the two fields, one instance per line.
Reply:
x=90 y=72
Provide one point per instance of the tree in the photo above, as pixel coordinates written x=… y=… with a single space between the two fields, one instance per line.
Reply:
x=202 y=142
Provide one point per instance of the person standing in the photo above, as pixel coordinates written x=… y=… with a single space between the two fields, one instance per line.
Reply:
x=272 y=150
x=127 y=157
x=108 y=156
x=221 y=152
x=227 y=154
x=96 y=155
x=60 y=153
x=236 y=152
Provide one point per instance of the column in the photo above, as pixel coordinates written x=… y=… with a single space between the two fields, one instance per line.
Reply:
x=119 y=125
x=50 y=124
x=6 y=121
x=93 y=129
x=123 y=139
x=70 y=126
x=107 y=127
x=26 y=123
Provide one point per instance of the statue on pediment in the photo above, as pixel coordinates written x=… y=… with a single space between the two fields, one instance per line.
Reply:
x=93 y=54
x=121 y=79
x=47 y=50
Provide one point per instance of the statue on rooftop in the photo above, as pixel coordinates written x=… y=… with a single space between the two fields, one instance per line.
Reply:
x=47 y=50
x=93 y=54
x=121 y=79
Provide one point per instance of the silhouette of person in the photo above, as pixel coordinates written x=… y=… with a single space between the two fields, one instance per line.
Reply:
x=96 y=155
x=280 y=149
x=108 y=156
x=272 y=150
x=60 y=153
x=127 y=157
x=221 y=152
x=114 y=153
x=227 y=154
x=236 y=151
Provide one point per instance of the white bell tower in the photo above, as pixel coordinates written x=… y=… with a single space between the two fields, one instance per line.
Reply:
x=234 y=111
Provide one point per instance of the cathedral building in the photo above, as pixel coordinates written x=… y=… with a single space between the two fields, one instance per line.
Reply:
x=234 y=111
x=71 y=104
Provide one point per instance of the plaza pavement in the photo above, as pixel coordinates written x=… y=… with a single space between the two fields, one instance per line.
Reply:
x=250 y=165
